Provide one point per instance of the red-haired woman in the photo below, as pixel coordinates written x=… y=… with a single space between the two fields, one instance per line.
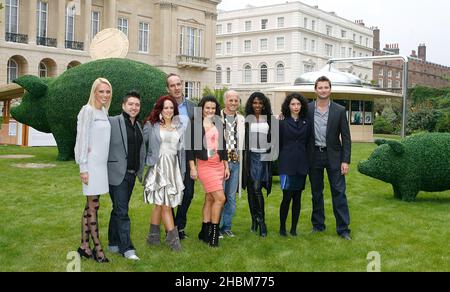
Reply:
x=163 y=184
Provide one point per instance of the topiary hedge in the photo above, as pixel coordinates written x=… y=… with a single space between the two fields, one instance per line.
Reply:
x=51 y=105
x=417 y=163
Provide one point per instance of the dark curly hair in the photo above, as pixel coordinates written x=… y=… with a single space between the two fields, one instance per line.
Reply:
x=267 y=109
x=209 y=98
x=153 y=117
x=303 y=101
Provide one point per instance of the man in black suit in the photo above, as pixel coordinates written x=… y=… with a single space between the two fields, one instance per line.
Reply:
x=329 y=148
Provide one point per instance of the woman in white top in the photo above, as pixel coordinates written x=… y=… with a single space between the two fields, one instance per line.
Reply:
x=91 y=153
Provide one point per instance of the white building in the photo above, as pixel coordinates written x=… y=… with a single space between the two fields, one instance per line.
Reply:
x=265 y=47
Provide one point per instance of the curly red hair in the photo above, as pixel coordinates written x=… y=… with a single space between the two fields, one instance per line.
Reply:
x=154 y=116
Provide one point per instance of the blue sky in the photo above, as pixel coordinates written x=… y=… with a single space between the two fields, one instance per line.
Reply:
x=407 y=23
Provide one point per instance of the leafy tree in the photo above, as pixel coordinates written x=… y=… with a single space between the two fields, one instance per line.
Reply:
x=443 y=125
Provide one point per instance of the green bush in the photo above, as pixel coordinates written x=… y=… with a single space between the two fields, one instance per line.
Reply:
x=443 y=125
x=51 y=105
x=423 y=120
x=381 y=126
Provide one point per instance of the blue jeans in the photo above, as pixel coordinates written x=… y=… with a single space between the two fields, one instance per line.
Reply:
x=231 y=186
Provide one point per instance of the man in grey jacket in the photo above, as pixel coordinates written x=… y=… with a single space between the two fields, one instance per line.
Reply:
x=125 y=162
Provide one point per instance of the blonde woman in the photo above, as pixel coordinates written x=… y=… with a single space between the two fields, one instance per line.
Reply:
x=91 y=154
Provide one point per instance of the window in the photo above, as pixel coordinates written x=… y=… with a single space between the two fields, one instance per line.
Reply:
x=43 y=72
x=95 y=22
x=389 y=83
x=305 y=22
x=264 y=23
x=357 y=107
x=280 y=22
x=228 y=75
x=313 y=46
x=398 y=84
x=329 y=50
x=228 y=48
x=191 y=41
x=305 y=44
x=248 y=25
x=368 y=115
x=313 y=25
x=354 y=37
x=263 y=73
x=343 y=34
x=381 y=72
x=247 y=46
x=13 y=71
x=12 y=16
x=143 y=36
x=263 y=45
x=399 y=74
x=191 y=89
x=367 y=42
x=218 y=75
x=70 y=23
x=349 y=52
x=381 y=82
x=41 y=25
x=229 y=27
x=123 y=25
x=247 y=74
x=280 y=72
x=343 y=52
x=389 y=73
x=218 y=48
x=218 y=29
x=329 y=29
x=360 y=40
x=280 y=43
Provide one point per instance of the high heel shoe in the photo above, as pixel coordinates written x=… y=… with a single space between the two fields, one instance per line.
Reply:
x=103 y=259
x=83 y=253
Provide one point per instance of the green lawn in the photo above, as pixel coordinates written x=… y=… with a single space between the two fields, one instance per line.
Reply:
x=41 y=213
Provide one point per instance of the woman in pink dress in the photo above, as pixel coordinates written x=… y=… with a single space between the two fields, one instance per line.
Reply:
x=210 y=166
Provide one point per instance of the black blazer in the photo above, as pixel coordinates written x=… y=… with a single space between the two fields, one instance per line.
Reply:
x=338 y=151
x=246 y=178
x=294 y=138
x=202 y=154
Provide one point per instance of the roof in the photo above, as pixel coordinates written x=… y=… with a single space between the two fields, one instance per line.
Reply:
x=10 y=91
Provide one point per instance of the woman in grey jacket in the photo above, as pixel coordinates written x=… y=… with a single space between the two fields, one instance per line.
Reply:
x=163 y=184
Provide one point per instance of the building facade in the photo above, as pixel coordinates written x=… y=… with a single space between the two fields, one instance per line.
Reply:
x=388 y=75
x=45 y=37
x=265 y=47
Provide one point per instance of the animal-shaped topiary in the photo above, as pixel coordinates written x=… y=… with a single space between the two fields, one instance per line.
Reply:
x=417 y=163
x=51 y=105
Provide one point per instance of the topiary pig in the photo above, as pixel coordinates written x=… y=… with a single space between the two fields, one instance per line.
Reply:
x=51 y=105
x=417 y=163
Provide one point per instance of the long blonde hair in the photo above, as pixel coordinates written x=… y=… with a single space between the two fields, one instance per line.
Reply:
x=96 y=83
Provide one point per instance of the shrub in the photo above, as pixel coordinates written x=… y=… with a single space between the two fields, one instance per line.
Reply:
x=381 y=126
x=443 y=125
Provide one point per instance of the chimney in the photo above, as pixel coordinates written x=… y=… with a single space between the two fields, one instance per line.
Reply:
x=376 y=39
x=423 y=52
x=413 y=54
x=392 y=48
x=360 y=22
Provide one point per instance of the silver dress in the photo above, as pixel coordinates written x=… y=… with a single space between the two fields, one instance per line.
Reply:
x=163 y=184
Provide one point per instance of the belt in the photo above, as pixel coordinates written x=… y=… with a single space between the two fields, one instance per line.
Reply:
x=321 y=149
x=131 y=171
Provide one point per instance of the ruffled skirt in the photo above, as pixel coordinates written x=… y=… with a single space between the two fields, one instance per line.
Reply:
x=163 y=184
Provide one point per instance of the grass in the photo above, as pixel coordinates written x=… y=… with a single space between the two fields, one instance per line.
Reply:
x=41 y=212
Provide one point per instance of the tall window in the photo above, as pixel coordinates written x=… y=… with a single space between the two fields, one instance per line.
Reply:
x=218 y=48
x=263 y=45
x=305 y=44
x=43 y=71
x=228 y=48
x=143 y=36
x=41 y=19
x=280 y=73
x=329 y=30
x=95 y=22
x=12 y=16
x=247 y=46
x=191 y=89
x=70 y=23
x=280 y=22
x=229 y=27
x=313 y=46
x=191 y=40
x=13 y=70
x=248 y=25
x=280 y=43
x=329 y=50
x=218 y=75
x=343 y=49
x=264 y=23
x=313 y=25
x=247 y=74
x=122 y=25
x=263 y=73
x=305 y=22
x=228 y=75
x=218 y=29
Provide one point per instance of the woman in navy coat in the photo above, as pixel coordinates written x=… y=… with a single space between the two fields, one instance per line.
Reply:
x=293 y=161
